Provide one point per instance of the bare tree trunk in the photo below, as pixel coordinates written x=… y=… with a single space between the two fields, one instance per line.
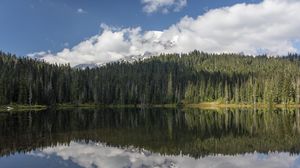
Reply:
x=30 y=95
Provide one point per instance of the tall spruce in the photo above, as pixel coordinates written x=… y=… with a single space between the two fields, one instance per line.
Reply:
x=171 y=78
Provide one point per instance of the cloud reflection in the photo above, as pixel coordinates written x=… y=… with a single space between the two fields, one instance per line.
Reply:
x=100 y=155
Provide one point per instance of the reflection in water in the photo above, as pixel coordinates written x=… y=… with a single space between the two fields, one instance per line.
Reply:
x=100 y=155
x=196 y=133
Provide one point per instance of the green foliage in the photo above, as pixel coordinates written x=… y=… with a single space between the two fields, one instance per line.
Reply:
x=172 y=78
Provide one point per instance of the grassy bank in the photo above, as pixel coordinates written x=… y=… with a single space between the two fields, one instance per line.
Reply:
x=219 y=105
x=202 y=105
x=20 y=107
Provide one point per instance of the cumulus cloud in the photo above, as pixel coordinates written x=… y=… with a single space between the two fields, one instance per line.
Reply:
x=100 y=155
x=164 y=6
x=41 y=53
x=270 y=27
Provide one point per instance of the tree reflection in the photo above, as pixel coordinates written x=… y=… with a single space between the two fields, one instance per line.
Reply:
x=168 y=131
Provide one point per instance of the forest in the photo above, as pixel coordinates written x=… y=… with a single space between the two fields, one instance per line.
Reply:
x=165 y=79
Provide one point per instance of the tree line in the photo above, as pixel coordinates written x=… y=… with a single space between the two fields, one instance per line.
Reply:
x=169 y=78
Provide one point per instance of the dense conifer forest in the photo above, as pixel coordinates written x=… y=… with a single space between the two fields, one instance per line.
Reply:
x=166 y=79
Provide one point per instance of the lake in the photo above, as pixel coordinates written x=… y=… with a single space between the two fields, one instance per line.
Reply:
x=150 y=137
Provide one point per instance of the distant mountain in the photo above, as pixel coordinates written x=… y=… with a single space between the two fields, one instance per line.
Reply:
x=128 y=59
x=84 y=66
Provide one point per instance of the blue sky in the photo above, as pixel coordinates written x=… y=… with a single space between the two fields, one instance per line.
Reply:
x=101 y=31
x=29 y=26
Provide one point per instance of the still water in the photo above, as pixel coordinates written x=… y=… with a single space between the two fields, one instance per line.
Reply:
x=151 y=137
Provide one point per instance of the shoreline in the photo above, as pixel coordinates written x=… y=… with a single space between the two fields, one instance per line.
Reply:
x=218 y=105
x=20 y=107
x=202 y=105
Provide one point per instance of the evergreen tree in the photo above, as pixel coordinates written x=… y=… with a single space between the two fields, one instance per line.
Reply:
x=171 y=78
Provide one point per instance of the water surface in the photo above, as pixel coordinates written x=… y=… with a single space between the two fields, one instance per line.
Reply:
x=152 y=137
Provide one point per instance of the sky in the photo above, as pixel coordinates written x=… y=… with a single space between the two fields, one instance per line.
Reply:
x=100 y=31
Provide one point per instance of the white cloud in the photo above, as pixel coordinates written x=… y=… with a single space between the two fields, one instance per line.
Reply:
x=37 y=53
x=271 y=26
x=164 y=6
x=40 y=54
x=81 y=11
x=100 y=155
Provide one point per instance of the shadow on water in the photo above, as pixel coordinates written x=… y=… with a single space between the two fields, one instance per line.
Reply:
x=192 y=132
